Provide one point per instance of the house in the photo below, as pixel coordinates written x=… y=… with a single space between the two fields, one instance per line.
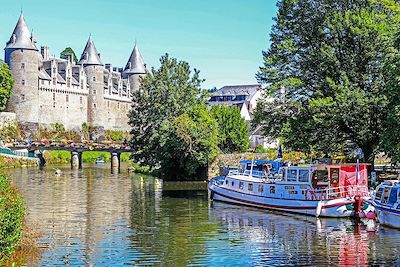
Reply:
x=245 y=98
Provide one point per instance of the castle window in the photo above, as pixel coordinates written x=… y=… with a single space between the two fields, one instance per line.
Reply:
x=22 y=97
x=94 y=78
x=68 y=82
x=54 y=104
x=54 y=96
x=23 y=82
x=66 y=98
x=54 y=71
x=22 y=65
x=94 y=105
x=54 y=81
x=81 y=84
x=118 y=105
x=94 y=91
x=42 y=82
x=80 y=100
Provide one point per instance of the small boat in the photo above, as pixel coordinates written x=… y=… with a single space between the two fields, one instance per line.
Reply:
x=320 y=190
x=386 y=200
x=100 y=160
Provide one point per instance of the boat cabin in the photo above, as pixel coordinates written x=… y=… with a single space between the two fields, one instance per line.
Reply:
x=323 y=176
x=388 y=194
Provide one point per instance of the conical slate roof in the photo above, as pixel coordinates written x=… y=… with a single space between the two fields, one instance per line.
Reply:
x=135 y=63
x=21 y=37
x=90 y=55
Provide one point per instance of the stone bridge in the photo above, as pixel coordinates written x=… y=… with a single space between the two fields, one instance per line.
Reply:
x=76 y=150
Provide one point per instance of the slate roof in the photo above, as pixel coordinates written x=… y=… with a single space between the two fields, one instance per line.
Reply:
x=21 y=38
x=89 y=55
x=135 y=63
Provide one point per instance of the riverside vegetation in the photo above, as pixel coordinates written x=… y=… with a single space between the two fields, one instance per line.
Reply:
x=12 y=211
x=173 y=131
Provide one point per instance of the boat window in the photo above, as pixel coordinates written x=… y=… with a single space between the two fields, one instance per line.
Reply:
x=392 y=196
x=322 y=176
x=241 y=185
x=385 y=195
x=292 y=176
x=398 y=207
x=260 y=188
x=303 y=175
x=272 y=189
x=250 y=187
x=378 y=194
x=226 y=181
x=233 y=183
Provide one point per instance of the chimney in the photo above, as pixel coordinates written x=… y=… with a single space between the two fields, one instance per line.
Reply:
x=44 y=50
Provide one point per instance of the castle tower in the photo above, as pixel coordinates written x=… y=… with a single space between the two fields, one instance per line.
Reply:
x=23 y=58
x=134 y=69
x=90 y=60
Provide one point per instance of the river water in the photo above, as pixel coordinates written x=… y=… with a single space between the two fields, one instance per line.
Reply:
x=91 y=217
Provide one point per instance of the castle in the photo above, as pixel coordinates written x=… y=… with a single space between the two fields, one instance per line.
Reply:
x=50 y=90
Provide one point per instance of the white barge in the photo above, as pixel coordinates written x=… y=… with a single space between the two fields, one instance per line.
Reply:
x=319 y=190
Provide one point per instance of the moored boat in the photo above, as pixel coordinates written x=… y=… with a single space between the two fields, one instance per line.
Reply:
x=386 y=201
x=320 y=190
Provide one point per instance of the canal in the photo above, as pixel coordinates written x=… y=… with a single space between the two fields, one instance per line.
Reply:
x=91 y=217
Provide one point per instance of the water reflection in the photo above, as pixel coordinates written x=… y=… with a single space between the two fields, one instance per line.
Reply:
x=91 y=217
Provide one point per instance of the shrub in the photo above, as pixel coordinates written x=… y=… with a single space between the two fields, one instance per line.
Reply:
x=12 y=211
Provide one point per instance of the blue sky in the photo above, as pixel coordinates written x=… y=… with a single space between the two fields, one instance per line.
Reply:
x=221 y=38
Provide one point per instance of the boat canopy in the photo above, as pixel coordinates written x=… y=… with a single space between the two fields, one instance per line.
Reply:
x=260 y=163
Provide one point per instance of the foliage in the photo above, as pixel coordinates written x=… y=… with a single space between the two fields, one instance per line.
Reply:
x=164 y=95
x=260 y=149
x=85 y=131
x=116 y=135
x=189 y=143
x=68 y=51
x=10 y=130
x=11 y=218
x=6 y=84
x=327 y=72
x=233 y=131
x=64 y=157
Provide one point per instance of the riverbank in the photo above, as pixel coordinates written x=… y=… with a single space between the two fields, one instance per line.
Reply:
x=11 y=219
x=64 y=157
x=9 y=161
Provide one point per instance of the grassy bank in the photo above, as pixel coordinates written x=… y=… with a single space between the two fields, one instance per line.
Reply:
x=9 y=162
x=12 y=211
x=64 y=157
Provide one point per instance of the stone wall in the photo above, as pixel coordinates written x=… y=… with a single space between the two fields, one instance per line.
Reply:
x=231 y=160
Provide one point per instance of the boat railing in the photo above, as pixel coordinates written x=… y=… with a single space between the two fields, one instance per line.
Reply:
x=338 y=192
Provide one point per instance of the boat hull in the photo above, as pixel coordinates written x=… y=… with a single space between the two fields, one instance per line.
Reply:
x=388 y=216
x=341 y=207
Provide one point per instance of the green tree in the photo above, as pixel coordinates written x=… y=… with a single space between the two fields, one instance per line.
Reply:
x=189 y=143
x=164 y=95
x=6 y=84
x=233 y=130
x=68 y=51
x=326 y=71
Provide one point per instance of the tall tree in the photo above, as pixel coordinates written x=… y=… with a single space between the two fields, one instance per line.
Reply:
x=330 y=65
x=6 y=84
x=233 y=130
x=68 y=51
x=165 y=96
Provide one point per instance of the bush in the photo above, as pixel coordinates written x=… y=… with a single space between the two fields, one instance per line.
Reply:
x=12 y=211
